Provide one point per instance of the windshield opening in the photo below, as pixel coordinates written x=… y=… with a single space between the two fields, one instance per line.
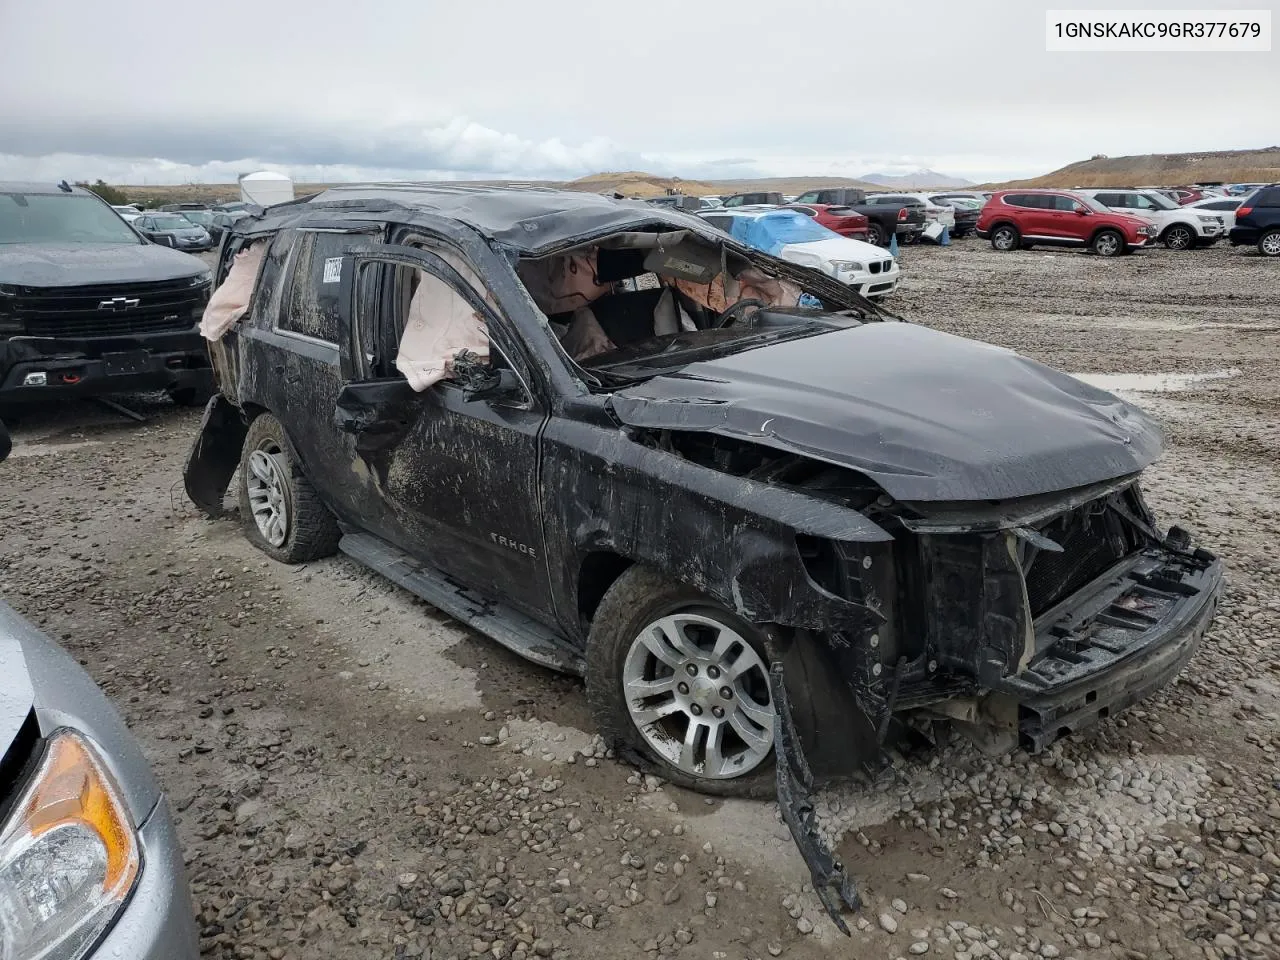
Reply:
x=636 y=304
x=60 y=218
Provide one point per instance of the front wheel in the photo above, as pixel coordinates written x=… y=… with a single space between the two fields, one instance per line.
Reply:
x=680 y=685
x=1108 y=243
x=1179 y=237
x=1269 y=244
x=1005 y=237
x=280 y=512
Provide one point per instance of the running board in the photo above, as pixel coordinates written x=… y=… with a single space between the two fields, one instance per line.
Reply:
x=520 y=634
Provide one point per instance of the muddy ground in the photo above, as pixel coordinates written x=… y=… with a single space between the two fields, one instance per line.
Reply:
x=355 y=776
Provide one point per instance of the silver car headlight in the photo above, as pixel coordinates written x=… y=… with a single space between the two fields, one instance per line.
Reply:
x=1204 y=219
x=69 y=856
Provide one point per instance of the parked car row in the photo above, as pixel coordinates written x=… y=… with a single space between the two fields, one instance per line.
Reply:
x=1118 y=221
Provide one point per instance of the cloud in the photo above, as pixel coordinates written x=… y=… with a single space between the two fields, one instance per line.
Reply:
x=491 y=88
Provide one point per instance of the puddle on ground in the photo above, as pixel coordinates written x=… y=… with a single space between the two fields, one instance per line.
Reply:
x=1152 y=382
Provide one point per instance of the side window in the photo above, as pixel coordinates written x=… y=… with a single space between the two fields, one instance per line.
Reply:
x=313 y=304
x=1066 y=204
x=810 y=197
x=1108 y=199
x=733 y=202
x=429 y=322
x=1269 y=197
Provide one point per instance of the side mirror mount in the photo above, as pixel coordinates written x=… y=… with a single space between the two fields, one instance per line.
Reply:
x=1082 y=211
x=497 y=385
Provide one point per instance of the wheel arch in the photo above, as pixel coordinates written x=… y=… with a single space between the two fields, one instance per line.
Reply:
x=597 y=572
x=1180 y=223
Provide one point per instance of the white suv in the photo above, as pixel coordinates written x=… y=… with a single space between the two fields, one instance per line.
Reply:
x=790 y=235
x=1181 y=228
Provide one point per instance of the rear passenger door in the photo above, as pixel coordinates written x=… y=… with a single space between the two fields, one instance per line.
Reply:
x=456 y=464
x=294 y=370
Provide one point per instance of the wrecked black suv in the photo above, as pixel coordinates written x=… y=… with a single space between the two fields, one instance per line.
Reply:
x=761 y=517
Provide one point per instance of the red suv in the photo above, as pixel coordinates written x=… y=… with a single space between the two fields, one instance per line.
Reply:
x=1022 y=218
x=843 y=220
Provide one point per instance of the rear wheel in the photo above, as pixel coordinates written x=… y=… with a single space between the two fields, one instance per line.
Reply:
x=279 y=509
x=1108 y=243
x=1179 y=237
x=680 y=685
x=875 y=234
x=1005 y=237
x=1269 y=244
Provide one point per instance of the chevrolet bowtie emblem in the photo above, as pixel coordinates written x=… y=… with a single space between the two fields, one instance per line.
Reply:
x=119 y=304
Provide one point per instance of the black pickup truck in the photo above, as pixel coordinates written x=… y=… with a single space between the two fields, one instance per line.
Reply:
x=775 y=529
x=89 y=307
x=907 y=221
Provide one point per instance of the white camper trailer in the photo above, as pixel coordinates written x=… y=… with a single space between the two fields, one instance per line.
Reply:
x=265 y=188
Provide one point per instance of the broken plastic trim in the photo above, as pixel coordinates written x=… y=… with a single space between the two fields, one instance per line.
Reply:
x=795 y=782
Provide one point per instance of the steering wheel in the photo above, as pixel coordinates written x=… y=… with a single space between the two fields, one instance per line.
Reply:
x=737 y=310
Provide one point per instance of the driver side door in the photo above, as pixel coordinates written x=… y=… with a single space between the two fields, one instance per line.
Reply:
x=456 y=464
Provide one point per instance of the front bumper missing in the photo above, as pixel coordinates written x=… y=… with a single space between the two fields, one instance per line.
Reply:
x=1112 y=643
x=1117 y=641
x=795 y=784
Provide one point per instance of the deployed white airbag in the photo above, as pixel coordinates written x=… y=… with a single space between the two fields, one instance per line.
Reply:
x=231 y=300
x=440 y=325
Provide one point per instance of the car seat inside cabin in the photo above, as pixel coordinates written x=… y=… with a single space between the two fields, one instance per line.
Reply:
x=638 y=294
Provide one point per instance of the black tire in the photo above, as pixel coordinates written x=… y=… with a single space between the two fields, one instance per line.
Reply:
x=1005 y=237
x=1179 y=236
x=1269 y=244
x=638 y=598
x=1108 y=243
x=311 y=532
x=875 y=234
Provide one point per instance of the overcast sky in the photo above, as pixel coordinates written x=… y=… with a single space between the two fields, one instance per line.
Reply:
x=155 y=91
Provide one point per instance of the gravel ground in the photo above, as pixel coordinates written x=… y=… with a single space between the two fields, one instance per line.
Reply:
x=354 y=775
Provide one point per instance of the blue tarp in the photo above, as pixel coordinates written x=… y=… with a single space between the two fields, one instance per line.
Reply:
x=773 y=231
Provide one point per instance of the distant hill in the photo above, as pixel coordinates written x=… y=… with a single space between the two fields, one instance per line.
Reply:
x=1163 y=170
x=917 y=180
x=637 y=184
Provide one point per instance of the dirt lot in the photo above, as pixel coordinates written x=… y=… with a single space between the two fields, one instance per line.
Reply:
x=354 y=776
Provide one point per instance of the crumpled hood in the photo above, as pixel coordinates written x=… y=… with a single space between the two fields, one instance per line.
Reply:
x=927 y=415
x=84 y=264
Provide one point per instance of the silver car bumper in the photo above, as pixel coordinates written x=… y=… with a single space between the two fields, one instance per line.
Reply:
x=157 y=922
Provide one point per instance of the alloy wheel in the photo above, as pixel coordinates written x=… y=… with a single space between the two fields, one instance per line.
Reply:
x=1270 y=245
x=1107 y=245
x=698 y=692
x=1178 y=238
x=269 y=493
